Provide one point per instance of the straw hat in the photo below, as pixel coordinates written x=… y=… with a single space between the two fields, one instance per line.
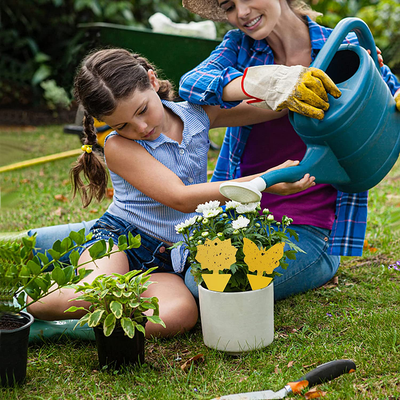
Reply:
x=208 y=9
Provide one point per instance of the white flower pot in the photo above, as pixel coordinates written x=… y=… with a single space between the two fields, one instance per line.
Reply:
x=237 y=322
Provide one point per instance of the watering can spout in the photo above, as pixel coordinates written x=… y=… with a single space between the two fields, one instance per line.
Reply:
x=319 y=161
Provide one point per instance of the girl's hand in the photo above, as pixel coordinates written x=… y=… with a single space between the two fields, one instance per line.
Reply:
x=380 y=58
x=285 y=188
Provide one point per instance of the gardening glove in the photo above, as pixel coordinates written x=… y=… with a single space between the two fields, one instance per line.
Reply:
x=300 y=89
x=397 y=99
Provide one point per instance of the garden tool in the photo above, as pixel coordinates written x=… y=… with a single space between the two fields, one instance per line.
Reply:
x=323 y=373
x=297 y=88
x=357 y=143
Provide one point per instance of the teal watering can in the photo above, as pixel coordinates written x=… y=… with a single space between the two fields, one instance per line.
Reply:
x=357 y=143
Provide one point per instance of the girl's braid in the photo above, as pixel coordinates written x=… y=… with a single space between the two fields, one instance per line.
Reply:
x=92 y=166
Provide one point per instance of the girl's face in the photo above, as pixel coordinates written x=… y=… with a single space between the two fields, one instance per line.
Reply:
x=256 y=18
x=140 y=116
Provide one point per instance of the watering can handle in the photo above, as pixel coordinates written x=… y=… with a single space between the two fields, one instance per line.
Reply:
x=337 y=36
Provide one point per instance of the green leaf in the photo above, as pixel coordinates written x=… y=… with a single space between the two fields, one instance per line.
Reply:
x=69 y=273
x=43 y=283
x=134 y=304
x=109 y=324
x=34 y=265
x=148 y=306
x=84 y=319
x=134 y=242
x=74 y=257
x=77 y=237
x=291 y=254
x=140 y=328
x=98 y=249
x=116 y=308
x=73 y=309
x=128 y=327
x=122 y=243
x=156 y=320
x=55 y=254
x=43 y=72
x=43 y=258
x=58 y=276
x=66 y=244
x=95 y=318
x=110 y=245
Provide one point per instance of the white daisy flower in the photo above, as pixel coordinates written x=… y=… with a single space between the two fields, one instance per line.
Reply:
x=231 y=204
x=183 y=225
x=241 y=222
x=212 y=212
x=247 y=208
x=207 y=206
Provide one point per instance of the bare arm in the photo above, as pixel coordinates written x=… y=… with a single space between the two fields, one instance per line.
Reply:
x=155 y=180
x=243 y=114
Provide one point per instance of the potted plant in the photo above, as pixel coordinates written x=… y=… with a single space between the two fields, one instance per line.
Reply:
x=233 y=252
x=26 y=279
x=116 y=313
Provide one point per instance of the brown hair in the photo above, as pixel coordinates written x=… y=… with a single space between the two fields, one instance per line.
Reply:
x=104 y=78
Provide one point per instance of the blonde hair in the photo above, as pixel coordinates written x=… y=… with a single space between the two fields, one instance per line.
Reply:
x=301 y=8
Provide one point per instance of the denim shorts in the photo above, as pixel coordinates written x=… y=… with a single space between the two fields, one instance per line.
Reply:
x=151 y=253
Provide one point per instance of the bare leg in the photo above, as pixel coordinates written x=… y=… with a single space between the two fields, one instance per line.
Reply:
x=52 y=307
x=178 y=308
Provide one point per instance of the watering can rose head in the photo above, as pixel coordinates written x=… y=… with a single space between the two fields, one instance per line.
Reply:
x=236 y=247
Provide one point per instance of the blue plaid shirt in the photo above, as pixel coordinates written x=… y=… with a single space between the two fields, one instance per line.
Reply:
x=204 y=85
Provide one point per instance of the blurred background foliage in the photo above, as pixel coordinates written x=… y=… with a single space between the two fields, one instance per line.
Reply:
x=41 y=46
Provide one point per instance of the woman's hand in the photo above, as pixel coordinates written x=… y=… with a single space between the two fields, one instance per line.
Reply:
x=380 y=58
x=285 y=188
x=397 y=99
x=300 y=89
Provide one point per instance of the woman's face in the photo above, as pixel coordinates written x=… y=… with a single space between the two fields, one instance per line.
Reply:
x=140 y=116
x=256 y=18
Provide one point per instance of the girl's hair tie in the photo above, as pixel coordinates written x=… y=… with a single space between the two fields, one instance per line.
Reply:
x=87 y=148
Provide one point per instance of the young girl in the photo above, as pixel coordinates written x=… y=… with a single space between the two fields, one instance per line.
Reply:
x=157 y=158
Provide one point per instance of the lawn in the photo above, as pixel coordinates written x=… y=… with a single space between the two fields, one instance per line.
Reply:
x=356 y=316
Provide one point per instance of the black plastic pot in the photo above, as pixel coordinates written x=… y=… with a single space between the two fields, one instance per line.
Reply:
x=118 y=349
x=14 y=350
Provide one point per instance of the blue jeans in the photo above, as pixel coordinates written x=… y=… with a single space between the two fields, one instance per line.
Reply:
x=308 y=271
x=46 y=236
x=151 y=253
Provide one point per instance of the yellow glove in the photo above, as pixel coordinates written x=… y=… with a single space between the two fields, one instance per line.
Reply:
x=397 y=99
x=300 y=89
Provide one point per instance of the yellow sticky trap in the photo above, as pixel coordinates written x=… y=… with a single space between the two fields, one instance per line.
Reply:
x=261 y=261
x=216 y=255
x=258 y=282
x=216 y=282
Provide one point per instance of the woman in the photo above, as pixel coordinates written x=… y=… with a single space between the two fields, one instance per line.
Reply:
x=281 y=34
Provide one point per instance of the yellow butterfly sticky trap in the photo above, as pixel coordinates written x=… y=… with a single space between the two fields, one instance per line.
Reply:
x=261 y=261
x=258 y=282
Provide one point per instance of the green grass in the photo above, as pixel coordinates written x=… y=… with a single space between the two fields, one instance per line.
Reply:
x=358 y=319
